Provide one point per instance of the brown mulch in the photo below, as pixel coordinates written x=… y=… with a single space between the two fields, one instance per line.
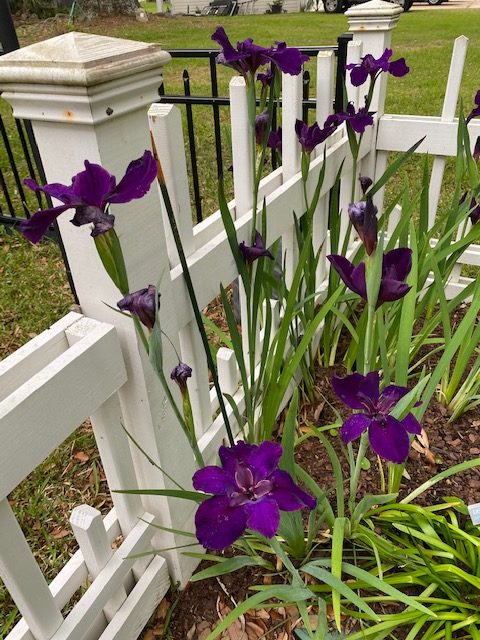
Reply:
x=202 y=604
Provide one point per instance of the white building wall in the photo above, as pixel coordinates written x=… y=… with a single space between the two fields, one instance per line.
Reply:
x=249 y=6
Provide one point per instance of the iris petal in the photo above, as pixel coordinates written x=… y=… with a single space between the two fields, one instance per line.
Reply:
x=263 y=516
x=389 y=439
x=288 y=495
x=390 y=396
x=391 y=290
x=264 y=458
x=347 y=389
x=354 y=426
x=37 y=226
x=369 y=387
x=398 y=262
x=358 y=76
x=92 y=185
x=353 y=277
x=230 y=457
x=218 y=524
x=137 y=180
x=214 y=480
x=411 y=424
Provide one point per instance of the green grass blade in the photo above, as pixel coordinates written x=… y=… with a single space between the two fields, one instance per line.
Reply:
x=231 y=565
x=341 y=589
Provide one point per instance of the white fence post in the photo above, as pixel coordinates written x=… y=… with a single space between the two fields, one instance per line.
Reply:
x=86 y=97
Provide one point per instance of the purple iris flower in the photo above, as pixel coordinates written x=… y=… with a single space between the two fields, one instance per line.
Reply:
x=474 y=208
x=91 y=191
x=310 y=137
x=476 y=150
x=358 y=120
x=370 y=66
x=248 y=57
x=364 y=218
x=274 y=141
x=474 y=211
x=180 y=374
x=141 y=303
x=365 y=183
x=261 y=123
x=396 y=266
x=266 y=78
x=475 y=112
x=249 y=491
x=388 y=436
x=257 y=250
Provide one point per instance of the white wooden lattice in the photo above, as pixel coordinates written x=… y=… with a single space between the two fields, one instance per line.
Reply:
x=48 y=387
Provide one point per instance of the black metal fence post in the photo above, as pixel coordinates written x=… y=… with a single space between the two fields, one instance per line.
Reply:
x=9 y=42
x=8 y=35
x=342 y=50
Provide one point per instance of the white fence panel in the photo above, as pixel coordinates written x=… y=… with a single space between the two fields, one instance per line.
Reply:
x=49 y=387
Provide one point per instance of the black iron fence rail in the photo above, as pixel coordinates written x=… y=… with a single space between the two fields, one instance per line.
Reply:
x=23 y=155
x=215 y=101
x=30 y=156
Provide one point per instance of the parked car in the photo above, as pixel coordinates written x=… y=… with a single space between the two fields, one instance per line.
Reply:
x=338 y=6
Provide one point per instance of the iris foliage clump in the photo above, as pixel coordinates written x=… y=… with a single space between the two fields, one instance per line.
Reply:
x=345 y=552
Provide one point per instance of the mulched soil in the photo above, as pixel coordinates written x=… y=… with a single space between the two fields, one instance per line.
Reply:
x=202 y=604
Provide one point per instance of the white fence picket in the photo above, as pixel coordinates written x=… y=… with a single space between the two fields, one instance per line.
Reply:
x=90 y=533
x=166 y=129
x=104 y=587
x=24 y=580
x=324 y=95
x=354 y=94
x=292 y=94
x=33 y=356
x=112 y=443
x=448 y=113
x=69 y=579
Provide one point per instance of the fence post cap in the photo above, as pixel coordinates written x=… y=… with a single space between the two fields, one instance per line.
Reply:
x=79 y=59
x=373 y=15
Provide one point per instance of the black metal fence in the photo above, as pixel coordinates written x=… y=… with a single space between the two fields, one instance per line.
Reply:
x=215 y=101
x=19 y=147
x=20 y=154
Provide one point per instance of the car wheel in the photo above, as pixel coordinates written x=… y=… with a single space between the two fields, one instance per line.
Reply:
x=434 y=2
x=333 y=6
x=405 y=4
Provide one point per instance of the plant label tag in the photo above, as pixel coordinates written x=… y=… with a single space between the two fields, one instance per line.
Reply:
x=474 y=511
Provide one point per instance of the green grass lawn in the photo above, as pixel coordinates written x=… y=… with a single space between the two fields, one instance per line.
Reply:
x=33 y=288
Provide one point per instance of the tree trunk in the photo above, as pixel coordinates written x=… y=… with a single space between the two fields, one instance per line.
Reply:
x=107 y=7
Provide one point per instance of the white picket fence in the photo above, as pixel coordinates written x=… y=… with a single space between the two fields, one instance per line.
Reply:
x=91 y=366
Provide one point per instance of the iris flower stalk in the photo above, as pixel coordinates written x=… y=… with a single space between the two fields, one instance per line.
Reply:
x=143 y=307
x=373 y=274
x=191 y=291
x=370 y=68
